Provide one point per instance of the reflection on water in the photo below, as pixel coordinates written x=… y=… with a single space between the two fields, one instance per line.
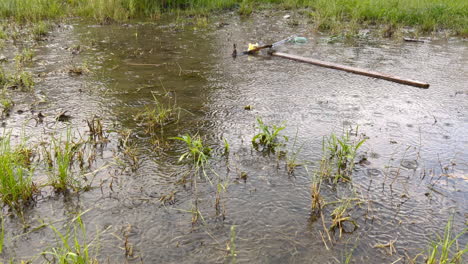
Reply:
x=414 y=137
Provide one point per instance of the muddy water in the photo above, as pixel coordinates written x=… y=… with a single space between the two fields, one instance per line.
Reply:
x=415 y=179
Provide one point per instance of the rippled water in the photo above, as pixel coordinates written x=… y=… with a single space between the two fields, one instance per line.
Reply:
x=415 y=177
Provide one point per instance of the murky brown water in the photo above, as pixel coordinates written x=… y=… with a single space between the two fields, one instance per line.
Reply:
x=413 y=135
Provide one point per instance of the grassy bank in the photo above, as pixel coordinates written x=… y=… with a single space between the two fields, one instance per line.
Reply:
x=326 y=15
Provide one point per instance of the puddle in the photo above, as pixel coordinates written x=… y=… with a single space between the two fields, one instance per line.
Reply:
x=270 y=209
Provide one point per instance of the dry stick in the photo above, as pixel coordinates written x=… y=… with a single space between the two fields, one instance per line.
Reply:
x=355 y=70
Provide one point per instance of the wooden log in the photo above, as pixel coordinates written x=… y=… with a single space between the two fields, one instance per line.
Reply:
x=355 y=70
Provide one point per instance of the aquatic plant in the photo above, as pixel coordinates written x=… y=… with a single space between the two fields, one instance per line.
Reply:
x=40 y=30
x=73 y=247
x=445 y=248
x=231 y=245
x=340 y=215
x=25 y=56
x=3 y=34
x=226 y=147
x=60 y=159
x=21 y=79
x=16 y=185
x=291 y=157
x=316 y=197
x=197 y=153
x=268 y=137
x=159 y=115
x=129 y=148
x=339 y=153
x=76 y=69
x=6 y=103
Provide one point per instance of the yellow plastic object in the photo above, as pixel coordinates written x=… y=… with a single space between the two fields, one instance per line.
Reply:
x=252 y=46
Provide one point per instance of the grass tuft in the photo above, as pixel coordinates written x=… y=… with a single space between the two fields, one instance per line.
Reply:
x=16 y=185
x=445 y=248
x=268 y=137
x=73 y=247
x=60 y=158
x=339 y=154
x=197 y=153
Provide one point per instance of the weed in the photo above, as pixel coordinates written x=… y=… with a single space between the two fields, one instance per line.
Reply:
x=6 y=104
x=96 y=132
x=268 y=136
x=22 y=58
x=129 y=148
x=40 y=30
x=73 y=247
x=317 y=200
x=231 y=245
x=76 y=69
x=197 y=153
x=63 y=153
x=445 y=248
x=22 y=80
x=226 y=147
x=16 y=185
x=3 y=34
x=3 y=77
x=339 y=153
x=291 y=160
x=245 y=8
x=159 y=115
x=340 y=215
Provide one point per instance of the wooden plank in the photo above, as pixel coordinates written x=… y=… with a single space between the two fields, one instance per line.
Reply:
x=355 y=70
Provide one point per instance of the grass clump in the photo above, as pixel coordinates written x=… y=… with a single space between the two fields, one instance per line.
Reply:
x=445 y=248
x=6 y=104
x=197 y=153
x=60 y=159
x=16 y=185
x=40 y=30
x=24 y=57
x=157 y=116
x=73 y=247
x=268 y=137
x=22 y=80
x=339 y=154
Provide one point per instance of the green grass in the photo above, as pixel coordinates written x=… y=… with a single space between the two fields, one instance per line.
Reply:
x=16 y=185
x=40 y=30
x=326 y=15
x=73 y=246
x=197 y=153
x=339 y=154
x=19 y=79
x=60 y=158
x=24 y=57
x=157 y=116
x=268 y=137
x=22 y=80
x=445 y=248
